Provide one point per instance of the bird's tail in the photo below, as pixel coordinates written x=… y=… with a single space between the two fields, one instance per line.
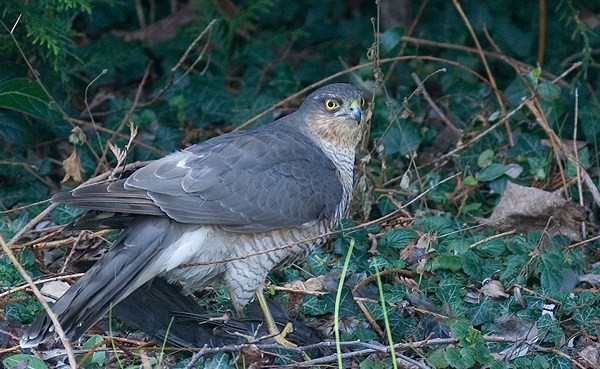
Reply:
x=133 y=260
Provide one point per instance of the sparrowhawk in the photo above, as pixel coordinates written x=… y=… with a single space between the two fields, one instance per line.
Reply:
x=237 y=206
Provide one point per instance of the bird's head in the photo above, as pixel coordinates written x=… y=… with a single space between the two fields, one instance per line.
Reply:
x=334 y=113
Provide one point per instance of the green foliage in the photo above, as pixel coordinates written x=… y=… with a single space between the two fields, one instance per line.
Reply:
x=97 y=359
x=435 y=256
x=46 y=23
x=23 y=361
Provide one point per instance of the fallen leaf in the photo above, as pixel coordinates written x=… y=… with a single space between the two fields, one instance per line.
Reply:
x=527 y=208
x=523 y=330
x=494 y=289
x=73 y=172
x=54 y=289
x=591 y=355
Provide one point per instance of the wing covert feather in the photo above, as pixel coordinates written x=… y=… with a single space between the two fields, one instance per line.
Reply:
x=251 y=181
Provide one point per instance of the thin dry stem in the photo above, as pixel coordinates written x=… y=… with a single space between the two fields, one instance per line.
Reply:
x=38 y=294
x=434 y=106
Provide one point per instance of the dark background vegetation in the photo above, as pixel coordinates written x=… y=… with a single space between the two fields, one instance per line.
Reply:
x=75 y=73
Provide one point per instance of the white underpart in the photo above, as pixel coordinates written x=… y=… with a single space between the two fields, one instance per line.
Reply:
x=202 y=245
x=190 y=247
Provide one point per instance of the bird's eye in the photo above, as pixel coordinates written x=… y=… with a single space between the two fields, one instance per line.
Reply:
x=331 y=104
x=363 y=102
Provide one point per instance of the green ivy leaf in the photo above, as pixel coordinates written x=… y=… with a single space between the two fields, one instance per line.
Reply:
x=492 y=171
x=26 y=97
x=376 y=363
x=361 y=334
x=220 y=361
x=495 y=247
x=551 y=266
x=548 y=91
x=437 y=358
x=318 y=261
x=23 y=361
x=99 y=356
x=313 y=305
x=398 y=238
x=449 y=262
x=473 y=265
x=538 y=166
x=391 y=38
x=470 y=181
x=453 y=357
x=485 y=158
x=484 y=312
x=401 y=139
x=533 y=76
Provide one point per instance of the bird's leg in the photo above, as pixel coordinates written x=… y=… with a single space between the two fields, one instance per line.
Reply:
x=279 y=336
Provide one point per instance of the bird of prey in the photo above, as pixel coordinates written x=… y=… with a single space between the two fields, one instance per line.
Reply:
x=234 y=207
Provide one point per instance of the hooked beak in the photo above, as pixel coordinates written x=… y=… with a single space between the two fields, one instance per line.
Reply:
x=356 y=111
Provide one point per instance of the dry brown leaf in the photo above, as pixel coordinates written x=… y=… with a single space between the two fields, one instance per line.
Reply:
x=310 y=285
x=569 y=145
x=516 y=329
x=252 y=357
x=73 y=172
x=414 y=253
x=493 y=289
x=527 y=208
x=591 y=355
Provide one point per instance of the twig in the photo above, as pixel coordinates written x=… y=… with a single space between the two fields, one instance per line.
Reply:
x=100 y=160
x=126 y=117
x=171 y=80
x=487 y=68
x=575 y=245
x=19 y=208
x=479 y=136
x=557 y=145
x=542 y=32
x=195 y=357
x=40 y=297
x=301 y=292
x=523 y=67
x=535 y=293
x=565 y=73
x=31 y=224
x=40 y=244
x=352 y=69
x=409 y=32
x=150 y=148
x=559 y=353
x=576 y=153
x=40 y=281
x=496 y=236
x=434 y=106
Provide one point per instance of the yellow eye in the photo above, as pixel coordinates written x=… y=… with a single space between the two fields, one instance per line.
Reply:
x=363 y=102
x=331 y=104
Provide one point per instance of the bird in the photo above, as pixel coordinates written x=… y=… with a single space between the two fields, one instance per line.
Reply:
x=223 y=212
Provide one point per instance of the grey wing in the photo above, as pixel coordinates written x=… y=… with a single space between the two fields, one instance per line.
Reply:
x=248 y=182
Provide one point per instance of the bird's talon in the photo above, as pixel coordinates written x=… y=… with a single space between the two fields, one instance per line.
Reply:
x=280 y=338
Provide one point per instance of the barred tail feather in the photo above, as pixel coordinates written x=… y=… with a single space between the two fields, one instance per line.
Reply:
x=133 y=260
